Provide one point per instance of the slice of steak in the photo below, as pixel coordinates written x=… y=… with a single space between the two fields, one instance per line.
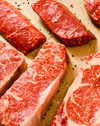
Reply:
x=12 y=64
x=25 y=102
x=81 y=105
x=93 y=10
x=62 y=22
x=18 y=30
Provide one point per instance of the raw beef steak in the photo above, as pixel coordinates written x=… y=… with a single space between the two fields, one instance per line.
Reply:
x=81 y=106
x=93 y=9
x=17 y=29
x=12 y=64
x=25 y=102
x=62 y=22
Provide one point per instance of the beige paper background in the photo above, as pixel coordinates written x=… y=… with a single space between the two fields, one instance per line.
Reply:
x=76 y=54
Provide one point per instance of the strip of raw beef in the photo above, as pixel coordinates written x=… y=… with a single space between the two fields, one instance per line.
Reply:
x=25 y=102
x=62 y=22
x=12 y=64
x=17 y=29
x=81 y=106
x=93 y=9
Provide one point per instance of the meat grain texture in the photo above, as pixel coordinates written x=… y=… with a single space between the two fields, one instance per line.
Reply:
x=17 y=29
x=12 y=64
x=25 y=102
x=93 y=10
x=62 y=22
x=81 y=105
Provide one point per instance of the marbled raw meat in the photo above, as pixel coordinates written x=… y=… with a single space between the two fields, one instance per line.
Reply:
x=12 y=64
x=18 y=30
x=93 y=10
x=25 y=102
x=62 y=22
x=81 y=105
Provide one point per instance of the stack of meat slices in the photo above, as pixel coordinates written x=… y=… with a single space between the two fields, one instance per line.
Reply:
x=25 y=102
x=12 y=64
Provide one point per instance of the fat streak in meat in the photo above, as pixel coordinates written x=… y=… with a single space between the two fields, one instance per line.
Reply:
x=81 y=105
x=25 y=102
x=12 y=64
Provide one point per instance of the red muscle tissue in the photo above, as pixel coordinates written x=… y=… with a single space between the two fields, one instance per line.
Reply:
x=17 y=29
x=12 y=64
x=25 y=102
x=62 y=22
x=81 y=105
x=93 y=10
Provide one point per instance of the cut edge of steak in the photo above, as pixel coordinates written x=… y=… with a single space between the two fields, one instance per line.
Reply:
x=81 y=105
x=20 y=67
